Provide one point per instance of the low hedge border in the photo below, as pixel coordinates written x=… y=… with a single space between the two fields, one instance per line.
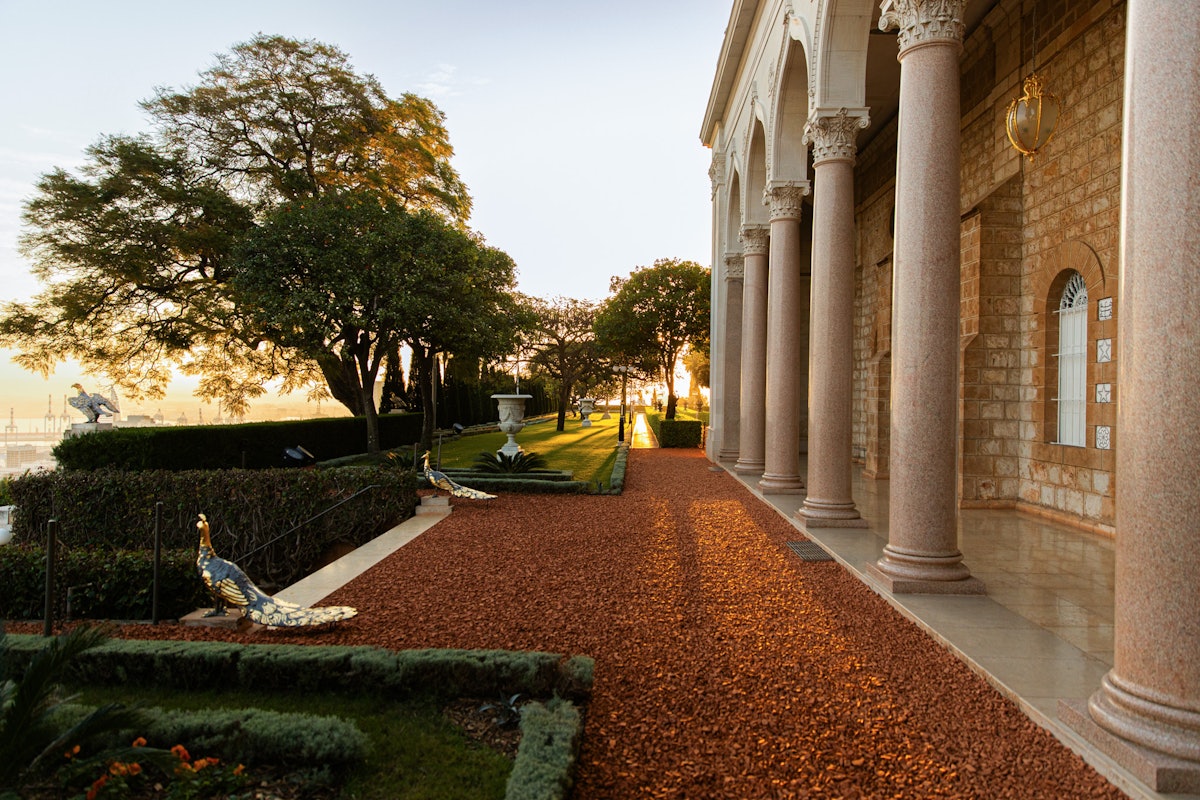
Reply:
x=551 y=733
x=675 y=432
x=616 y=481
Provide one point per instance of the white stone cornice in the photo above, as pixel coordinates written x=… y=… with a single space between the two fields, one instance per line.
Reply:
x=755 y=240
x=923 y=21
x=735 y=267
x=785 y=200
x=832 y=136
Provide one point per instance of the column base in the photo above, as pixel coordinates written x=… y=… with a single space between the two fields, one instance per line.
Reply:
x=747 y=467
x=1161 y=772
x=781 y=484
x=920 y=573
x=817 y=514
x=727 y=455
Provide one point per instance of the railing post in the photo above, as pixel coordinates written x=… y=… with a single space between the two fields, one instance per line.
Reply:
x=157 y=561
x=51 y=549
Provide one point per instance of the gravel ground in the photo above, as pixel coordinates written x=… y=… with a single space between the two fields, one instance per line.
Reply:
x=726 y=667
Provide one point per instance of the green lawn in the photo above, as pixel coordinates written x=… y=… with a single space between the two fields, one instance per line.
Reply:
x=588 y=452
x=415 y=751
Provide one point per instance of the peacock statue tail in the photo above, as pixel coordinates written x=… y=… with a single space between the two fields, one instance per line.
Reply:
x=442 y=481
x=229 y=586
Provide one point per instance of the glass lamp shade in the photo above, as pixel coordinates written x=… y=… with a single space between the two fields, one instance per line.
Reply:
x=1032 y=118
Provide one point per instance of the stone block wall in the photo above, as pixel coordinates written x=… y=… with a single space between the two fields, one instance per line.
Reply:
x=1026 y=225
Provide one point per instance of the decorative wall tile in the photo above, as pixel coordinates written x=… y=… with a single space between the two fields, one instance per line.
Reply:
x=1105 y=308
x=1103 y=392
x=1103 y=350
x=1103 y=437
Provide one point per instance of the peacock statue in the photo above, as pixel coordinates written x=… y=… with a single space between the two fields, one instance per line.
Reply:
x=442 y=481
x=230 y=586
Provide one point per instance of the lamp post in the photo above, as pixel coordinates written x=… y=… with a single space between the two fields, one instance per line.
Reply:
x=624 y=372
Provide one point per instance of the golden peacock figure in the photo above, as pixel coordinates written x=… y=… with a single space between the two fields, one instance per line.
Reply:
x=230 y=586
x=441 y=480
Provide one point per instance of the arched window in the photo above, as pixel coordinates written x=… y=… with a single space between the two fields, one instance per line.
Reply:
x=1072 y=363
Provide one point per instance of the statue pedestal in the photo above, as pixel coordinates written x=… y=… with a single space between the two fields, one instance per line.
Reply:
x=512 y=415
x=80 y=428
x=233 y=619
x=438 y=505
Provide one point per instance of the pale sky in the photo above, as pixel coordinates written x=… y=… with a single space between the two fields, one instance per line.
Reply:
x=575 y=124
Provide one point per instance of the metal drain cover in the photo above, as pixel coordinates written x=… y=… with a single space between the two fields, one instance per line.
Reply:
x=809 y=551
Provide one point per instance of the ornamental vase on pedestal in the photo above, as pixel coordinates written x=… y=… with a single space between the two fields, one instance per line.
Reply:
x=512 y=412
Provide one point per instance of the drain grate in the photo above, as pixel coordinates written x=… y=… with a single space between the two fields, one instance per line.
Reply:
x=809 y=551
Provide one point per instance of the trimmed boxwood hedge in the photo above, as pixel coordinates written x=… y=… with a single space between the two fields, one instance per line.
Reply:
x=254 y=445
x=110 y=510
x=675 y=432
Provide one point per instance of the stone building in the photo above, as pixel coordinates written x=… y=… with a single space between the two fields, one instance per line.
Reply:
x=898 y=291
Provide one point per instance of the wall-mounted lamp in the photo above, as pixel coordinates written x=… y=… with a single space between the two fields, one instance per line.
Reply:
x=1032 y=118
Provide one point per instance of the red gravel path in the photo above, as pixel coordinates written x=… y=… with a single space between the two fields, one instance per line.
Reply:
x=726 y=667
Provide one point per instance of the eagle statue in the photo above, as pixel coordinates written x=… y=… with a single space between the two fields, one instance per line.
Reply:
x=230 y=586
x=442 y=481
x=92 y=405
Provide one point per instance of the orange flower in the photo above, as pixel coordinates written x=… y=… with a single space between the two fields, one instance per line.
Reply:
x=117 y=768
x=74 y=751
x=135 y=768
x=239 y=769
x=140 y=741
x=96 y=787
x=181 y=751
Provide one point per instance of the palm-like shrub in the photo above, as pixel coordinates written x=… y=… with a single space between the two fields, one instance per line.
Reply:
x=34 y=736
x=512 y=465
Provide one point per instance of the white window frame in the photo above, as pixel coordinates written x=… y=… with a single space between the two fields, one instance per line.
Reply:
x=1072 y=363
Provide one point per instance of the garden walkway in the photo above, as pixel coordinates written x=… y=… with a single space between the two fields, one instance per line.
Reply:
x=726 y=667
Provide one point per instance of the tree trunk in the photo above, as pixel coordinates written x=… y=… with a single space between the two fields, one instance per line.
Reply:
x=425 y=373
x=393 y=383
x=564 y=400
x=341 y=376
x=671 y=399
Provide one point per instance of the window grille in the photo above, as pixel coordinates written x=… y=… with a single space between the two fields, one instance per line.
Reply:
x=1072 y=363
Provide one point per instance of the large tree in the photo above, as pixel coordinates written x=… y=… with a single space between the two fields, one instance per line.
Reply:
x=349 y=277
x=132 y=251
x=564 y=349
x=654 y=313
x=290 y=119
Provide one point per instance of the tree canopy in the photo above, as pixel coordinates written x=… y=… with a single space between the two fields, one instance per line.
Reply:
x=345 y=279
x=134 y=250
x=564 y=347
x=654 y=313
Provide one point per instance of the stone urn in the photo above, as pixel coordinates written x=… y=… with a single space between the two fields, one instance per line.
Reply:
x=512 y=414
x=587 y=406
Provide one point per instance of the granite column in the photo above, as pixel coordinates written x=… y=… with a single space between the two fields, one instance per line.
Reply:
x=830 y=503
x=753 y=390
x=1146 y=714
x=786 y=317
x=731 y=367
x=922 y=554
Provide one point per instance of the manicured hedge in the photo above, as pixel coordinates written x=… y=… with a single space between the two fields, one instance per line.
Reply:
x=109 y=510
x=102 y=584
x=675 y=432
x=256 y=445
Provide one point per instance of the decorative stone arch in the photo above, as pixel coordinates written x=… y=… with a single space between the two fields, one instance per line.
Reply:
x=733 y=213
x=789 y=114
x=754 y=174
x=1047 y=288
x=839 y=65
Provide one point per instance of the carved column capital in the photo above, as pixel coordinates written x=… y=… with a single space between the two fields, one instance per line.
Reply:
x=716 y=172
x=923 y=21
x=755 y=240
x=832 y=136
x=785 y=200
x=735 y=267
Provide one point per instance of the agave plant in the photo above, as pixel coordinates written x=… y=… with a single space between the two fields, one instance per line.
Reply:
x=33 y=737
x=503 y=462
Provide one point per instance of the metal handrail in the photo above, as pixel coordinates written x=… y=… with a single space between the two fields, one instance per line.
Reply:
x=310 y=519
